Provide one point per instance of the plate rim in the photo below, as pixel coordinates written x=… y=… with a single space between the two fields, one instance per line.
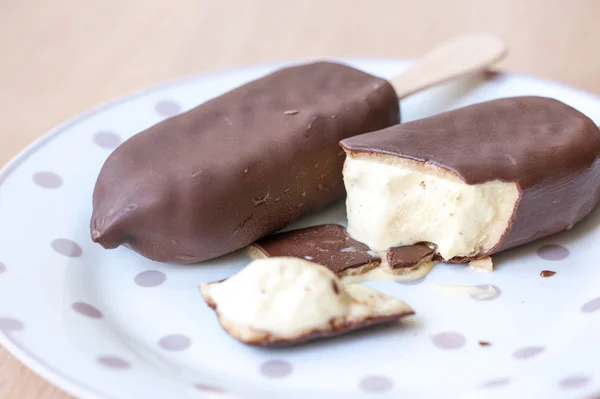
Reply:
x=81 y=389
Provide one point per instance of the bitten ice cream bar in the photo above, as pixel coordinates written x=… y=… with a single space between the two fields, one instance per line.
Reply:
x=476 y=180
x=238 y=167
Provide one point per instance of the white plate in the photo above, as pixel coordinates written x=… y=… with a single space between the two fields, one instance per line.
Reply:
x=111 y=324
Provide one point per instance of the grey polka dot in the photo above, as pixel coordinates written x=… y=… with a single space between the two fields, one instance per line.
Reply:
x=150 y=278
x=527 y=352
x=113 y=362
x=413 y=282
x=167 y=108
x=485 y=292
x=85 y=309
x=577 y=381
x=175 y=342
x=208 y=388
x=449 y=340
x=2 y=267
x=553 y=252
x=276 y=369
x=8 y=324
x=107 y=139
x=376 y=384
x=591 y=306
x=47 y=180
x=66 y=247
x=496 y=383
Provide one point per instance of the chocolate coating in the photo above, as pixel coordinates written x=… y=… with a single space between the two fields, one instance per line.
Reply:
x=247 y=163
x=408 y=255
x=550 y=150
x=338 y=329
x=328 y=245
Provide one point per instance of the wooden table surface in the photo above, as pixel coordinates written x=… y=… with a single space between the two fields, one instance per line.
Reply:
x=62 y=57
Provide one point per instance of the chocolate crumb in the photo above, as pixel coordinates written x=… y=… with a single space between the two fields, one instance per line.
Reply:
x=547 y=273
x=422 y=184
x=335 y=287
x=484 y=343
x=291 y=112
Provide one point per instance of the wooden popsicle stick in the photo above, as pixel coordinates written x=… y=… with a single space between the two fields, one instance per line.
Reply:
x=454 y=58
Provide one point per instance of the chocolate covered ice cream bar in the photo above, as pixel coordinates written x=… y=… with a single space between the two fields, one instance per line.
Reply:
x=476 y=180
x=238 y=167
x=330 y=245
x=285 y=301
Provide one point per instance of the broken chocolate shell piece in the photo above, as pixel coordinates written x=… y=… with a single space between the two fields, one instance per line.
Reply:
x=328 y=245
x=408 y=255
x=403 y=264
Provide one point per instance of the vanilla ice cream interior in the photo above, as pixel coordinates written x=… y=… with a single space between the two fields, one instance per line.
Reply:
x=393 y=201
x=289 y=297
